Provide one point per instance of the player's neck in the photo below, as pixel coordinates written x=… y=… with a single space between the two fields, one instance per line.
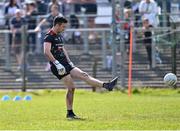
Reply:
x=55 y=30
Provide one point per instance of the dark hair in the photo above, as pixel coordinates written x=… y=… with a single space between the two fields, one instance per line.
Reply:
x=59 y=20
x=32 y=4
x=54 y=7
x=11 y=3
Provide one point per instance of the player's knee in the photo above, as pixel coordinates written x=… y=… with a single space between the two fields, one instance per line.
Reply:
x=84 y=75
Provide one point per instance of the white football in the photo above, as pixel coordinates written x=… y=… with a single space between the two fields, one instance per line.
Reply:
x=170 y=79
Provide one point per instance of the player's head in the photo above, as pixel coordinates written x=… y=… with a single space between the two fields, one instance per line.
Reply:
x=60 y=23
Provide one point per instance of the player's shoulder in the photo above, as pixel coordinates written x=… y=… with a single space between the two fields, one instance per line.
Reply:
x=51 y=33
x=49 y=36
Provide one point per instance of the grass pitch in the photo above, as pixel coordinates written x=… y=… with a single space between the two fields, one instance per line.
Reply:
x=146 y=109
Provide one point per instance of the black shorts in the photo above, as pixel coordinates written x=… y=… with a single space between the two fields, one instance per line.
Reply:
x=67 y=66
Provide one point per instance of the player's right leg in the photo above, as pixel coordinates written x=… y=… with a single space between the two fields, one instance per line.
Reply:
x=68 y=82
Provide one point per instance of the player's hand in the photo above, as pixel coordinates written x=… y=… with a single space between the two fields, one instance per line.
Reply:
x=60 y=68
x=72 y=64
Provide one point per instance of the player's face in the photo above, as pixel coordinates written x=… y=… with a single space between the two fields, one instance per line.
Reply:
x=62 y=27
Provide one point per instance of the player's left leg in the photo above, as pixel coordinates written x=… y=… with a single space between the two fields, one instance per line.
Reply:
x=79 y=74
x=68 y=81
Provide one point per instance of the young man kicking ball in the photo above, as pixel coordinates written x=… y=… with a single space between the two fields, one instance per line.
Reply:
x=63 y=68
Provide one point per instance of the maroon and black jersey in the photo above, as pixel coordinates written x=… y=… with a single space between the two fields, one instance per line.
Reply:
x=57 y=43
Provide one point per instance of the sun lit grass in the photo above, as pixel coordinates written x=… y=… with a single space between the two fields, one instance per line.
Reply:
x=146 y=109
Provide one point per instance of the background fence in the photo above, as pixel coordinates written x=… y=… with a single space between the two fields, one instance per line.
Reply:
x=90 y=47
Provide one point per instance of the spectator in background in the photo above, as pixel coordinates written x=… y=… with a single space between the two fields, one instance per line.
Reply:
x=126 y=27
x=58 y=4
x=10 y=9
x=47 y=1
x=50 y=17
x=41 y=7
x=16 y=24
x=74 y=21
x=148 y=9
x=128 y=4
x=90 y=7
x=135 y=8
x=49 y=22
x=9 y=12
x=31 y=16
x=147 y=34
x=74 y=24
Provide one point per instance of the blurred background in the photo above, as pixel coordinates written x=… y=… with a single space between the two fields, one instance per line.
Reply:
x=97 y=40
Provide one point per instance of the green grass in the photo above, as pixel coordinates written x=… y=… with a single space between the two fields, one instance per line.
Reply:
x=146 y=109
